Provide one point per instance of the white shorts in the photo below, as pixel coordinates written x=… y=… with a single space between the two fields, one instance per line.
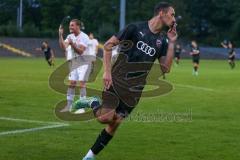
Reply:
x=81 y=73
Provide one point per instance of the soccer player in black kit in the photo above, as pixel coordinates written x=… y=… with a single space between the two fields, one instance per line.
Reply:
x=140 y=44
x=195 y=53
x=178 y=51
x=48 y=53
x=231 y=53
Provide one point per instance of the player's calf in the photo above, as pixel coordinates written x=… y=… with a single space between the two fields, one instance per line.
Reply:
x=104 y=138
x=83 y=90
x=70 y=96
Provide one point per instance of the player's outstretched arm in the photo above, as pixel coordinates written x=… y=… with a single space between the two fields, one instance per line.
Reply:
x=107 y=56
x=62 y=44
x=223 y=45
x=38 y=49
x=166 y=62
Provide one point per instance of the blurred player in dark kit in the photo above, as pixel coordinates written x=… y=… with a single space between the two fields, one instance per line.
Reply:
x=48 y=53
x=231 y=53
x=195 y=53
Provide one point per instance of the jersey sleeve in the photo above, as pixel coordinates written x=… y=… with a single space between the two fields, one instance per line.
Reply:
x=164 y=48
x=97 y=43
x=66 y=40
x=85 y=41
x=126 y=33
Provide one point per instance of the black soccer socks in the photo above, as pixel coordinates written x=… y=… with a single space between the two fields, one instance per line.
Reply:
x=101 y=142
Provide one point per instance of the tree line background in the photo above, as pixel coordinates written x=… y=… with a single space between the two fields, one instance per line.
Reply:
x=208 y=21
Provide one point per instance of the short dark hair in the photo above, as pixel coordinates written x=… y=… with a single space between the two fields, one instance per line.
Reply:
x=77 y=21
x=161 y=6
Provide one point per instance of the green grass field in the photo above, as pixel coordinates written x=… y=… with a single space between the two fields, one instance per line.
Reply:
x=212 y=134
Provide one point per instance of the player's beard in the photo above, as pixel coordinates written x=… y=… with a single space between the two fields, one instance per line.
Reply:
x=165 y=28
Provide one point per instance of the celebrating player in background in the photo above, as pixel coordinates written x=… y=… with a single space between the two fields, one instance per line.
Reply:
x=195 y=53
x=93 y=48
x=48 y=53
x=178 y=51
x=231 y=53
x=148 y=43
x=75 y=46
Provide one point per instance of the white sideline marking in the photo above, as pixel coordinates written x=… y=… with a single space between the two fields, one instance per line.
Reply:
x=49 y=125
x=195 y=87
x=27 y=120
x=32 y=129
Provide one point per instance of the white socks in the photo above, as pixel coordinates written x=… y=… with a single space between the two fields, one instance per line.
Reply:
x=83 y=92
x=70 y=95
x=90 y=154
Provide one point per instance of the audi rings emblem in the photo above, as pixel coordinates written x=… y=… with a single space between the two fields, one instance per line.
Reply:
x=144 y=47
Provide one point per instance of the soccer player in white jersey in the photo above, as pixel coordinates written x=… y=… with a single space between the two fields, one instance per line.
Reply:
x=75 y=47
x=93 y=45
x=93 y=48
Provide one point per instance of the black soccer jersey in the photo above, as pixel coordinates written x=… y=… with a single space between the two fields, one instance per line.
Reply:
x=195 y=49
x=178 y=51
x=139 y=44
x=47 y=52
x=231 y=51
x=145 y=45
x=138 y=48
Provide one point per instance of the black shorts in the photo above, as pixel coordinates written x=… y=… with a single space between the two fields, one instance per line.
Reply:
x=196 y=60
x=110 y=99
x=231 y=58
x=177 y=56
x=48 y=58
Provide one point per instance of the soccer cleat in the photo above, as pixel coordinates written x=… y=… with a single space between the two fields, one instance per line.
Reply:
x=80 y=111
x=90 y=102
x=88 y=158
x=67 y=108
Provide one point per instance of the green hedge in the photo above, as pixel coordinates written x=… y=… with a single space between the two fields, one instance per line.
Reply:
x=29 y=30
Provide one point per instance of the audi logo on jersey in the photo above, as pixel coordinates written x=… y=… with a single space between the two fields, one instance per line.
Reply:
x=144 y=47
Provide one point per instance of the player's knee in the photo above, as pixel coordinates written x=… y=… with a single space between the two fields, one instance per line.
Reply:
x=82 y=85
x=106 y=118
x=73 y=84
